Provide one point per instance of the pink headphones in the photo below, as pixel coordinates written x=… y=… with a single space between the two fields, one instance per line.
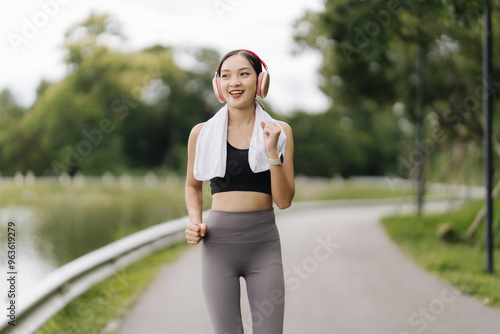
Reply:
x=262 y=81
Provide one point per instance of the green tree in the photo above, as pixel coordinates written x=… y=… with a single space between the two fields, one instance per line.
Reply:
x=370 y=51
x=114 y=110
x=11 y=114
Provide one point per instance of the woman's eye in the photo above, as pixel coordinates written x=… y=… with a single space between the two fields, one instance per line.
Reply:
x=245 y=73
x=224 y=76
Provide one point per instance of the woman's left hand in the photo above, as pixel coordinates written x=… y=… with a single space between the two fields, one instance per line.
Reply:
x=271 y=134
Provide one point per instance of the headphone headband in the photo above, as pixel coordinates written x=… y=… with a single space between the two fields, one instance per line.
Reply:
x=261 y=61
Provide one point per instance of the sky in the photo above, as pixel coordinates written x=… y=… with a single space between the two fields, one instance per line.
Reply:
x=32 y=34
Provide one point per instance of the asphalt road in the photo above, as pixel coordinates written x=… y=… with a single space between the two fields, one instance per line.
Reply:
x=343 y=275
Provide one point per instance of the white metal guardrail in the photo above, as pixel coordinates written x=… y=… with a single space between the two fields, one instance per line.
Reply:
x=74 y=278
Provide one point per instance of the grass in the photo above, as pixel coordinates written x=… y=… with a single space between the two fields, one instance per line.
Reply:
x=110 y=299
x=458 y=261
x=320 y=189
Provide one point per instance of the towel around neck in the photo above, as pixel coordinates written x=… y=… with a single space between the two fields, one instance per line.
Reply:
x=211 y=145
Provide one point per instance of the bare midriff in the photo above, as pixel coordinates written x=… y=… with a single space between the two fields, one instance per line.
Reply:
x=241 y=201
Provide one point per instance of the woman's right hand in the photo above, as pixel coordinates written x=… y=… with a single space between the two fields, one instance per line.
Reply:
x=195 y=232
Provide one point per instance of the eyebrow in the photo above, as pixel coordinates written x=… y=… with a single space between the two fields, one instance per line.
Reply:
x=241 y=69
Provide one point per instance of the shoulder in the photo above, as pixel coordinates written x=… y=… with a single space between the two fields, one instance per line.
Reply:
x=195 y=131
x=286 y=127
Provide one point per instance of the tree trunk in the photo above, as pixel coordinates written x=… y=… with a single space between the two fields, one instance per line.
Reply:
x=420 y=129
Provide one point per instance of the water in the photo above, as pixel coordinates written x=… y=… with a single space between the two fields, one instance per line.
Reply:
x=58 y=221
x=31 y=265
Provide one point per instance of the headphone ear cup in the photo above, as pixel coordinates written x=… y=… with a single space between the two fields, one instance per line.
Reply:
x=263 y=84
x=217 y=90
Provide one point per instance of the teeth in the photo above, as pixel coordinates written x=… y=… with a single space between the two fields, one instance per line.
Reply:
x=236 y=92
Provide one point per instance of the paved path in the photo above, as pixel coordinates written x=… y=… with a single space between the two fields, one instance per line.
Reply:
x=343 y=275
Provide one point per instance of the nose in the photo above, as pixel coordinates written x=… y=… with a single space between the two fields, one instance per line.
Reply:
x=235 y=81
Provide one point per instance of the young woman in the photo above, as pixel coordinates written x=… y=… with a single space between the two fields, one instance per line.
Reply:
x=248 y=158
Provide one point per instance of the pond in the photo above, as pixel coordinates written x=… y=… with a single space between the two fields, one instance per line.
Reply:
x=30 y=264
x=57 y=222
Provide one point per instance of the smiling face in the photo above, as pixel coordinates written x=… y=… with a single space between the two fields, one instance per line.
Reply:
x=238 y=81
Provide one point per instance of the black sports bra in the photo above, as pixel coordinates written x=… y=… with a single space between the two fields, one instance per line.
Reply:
x=239 y=176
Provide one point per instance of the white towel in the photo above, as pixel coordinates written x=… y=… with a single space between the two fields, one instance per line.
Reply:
x=211 y=145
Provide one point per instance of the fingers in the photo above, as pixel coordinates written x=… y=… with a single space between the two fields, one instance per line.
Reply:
x=270 y=127
x=271 y=135
x=195 y=232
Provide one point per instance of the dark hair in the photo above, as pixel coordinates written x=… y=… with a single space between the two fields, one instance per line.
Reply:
x=253 y=59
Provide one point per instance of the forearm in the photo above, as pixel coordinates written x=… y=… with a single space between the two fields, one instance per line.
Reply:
x=194 y=203
x=282 y=176
x=283 y=189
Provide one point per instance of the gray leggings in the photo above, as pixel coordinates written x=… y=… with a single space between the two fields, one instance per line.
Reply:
x=243 y=244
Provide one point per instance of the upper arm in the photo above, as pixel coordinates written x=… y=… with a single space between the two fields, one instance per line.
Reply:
x=193 y=137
